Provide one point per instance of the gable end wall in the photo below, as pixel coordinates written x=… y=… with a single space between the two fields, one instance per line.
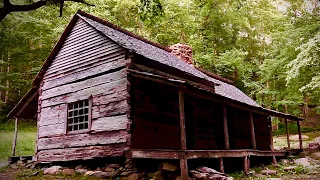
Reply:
x=88 y=65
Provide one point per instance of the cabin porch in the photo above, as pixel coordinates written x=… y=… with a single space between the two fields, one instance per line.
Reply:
x=171 y=121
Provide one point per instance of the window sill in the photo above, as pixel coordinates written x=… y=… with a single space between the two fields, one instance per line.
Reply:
x=83 y=131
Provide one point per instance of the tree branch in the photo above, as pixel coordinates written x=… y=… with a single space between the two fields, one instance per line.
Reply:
x=8 y=7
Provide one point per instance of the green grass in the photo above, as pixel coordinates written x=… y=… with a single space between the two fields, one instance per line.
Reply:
x=26 y=144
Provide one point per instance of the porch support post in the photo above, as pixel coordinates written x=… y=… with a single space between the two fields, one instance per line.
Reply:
x=245 y=165
x=225 y=128
x=253 y=135
x=274 y=160
x=183 y=160
x=300 y=137
x=14 y=143
x=221 y=166
x=287 y=131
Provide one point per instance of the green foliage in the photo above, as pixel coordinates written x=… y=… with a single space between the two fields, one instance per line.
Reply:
x=26 y=144
x=271 y=54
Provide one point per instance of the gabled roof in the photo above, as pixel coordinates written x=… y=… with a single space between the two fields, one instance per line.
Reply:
x=150 y=50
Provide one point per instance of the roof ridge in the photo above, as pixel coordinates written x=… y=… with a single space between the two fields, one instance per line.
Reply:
x=113 y=26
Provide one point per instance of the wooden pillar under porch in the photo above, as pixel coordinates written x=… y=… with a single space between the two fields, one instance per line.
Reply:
x=253 y=135
x=287 y=132
x=183 y=160
x=14 y=143
x=221 y=166
x=274 y=160
x=300 y=136
x=225 y=128
x=245 y=165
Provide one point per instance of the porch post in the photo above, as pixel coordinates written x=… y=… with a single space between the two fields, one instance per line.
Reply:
x=287 y=131
x=14 y=143
x=299 y=132
x=274 y=160
x=221 y=166
x=183 y=160
x=225 y=128
x=253 y=136
x=245 y=165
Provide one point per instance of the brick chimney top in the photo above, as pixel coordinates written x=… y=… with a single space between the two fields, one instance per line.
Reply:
x=183 y=52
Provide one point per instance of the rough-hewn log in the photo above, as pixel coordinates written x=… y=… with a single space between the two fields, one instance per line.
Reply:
x=110 y=109
x=95 y=81
x=110 y=88
x=81 y=140
x=245 y=165
x=182 y=121
x=300 y=137
x=184 y=168
x=80 y=74
x=225 y=128
x=109 y=123
x=14 y=143
x=287 y=132
x=53 y=115
x=194 y=154
x=274 y=160
x=221 y=166
x=253 y=135
x=51 y=130
x=83 y=153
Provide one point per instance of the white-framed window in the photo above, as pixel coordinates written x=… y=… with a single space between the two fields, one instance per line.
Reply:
x=79 y=116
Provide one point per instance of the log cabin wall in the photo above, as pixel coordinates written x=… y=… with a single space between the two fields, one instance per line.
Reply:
x=155 y=115
x=89 y=65
x=262 y=131
x=239 y=128
x=204 y=124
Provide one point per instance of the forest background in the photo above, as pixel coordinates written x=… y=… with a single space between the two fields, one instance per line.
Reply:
x=270 y=49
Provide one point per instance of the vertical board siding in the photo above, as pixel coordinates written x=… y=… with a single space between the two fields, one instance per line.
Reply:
x=88 y=65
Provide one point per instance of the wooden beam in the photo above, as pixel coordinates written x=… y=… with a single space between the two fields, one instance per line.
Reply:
x=221 y=166
x=184 y=168
x=245 y=165
x=225 y=128
x=274 y=160
x=287 y=132
x=194 y=154
x=253 y=135
x=182 y=121
x=300 y=137
x=14 y=143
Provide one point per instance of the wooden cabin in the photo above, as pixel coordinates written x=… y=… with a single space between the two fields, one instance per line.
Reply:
x=106 y=92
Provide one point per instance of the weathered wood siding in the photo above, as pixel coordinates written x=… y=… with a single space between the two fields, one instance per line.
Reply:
x=155 y=115
x=204 y=123
x=239 y=128
x=88 y=64
x=262 y=131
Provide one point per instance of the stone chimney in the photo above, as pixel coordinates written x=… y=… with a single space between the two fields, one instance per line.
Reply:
x=183 y=52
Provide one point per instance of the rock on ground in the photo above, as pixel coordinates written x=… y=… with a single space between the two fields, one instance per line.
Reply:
x=53 y=170
x=69 y=172
x=268 y=172
x=302 y=161
x=168 y=167
x=296 y=137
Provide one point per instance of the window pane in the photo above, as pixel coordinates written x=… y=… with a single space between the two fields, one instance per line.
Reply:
x=75 y=127
x=70 y=121
x=86 y=118
x=70 y=128
x=75 y=105
x=86 y=102
x=80 y=111
x=81 y=126
x=75 y=113
x=80 y=104
x=81 y=119
x=86 y=125
x=86 y=110
x=70 y=114
x=76 y=120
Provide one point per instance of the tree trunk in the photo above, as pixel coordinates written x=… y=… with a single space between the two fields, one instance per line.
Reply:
x=306 y=108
